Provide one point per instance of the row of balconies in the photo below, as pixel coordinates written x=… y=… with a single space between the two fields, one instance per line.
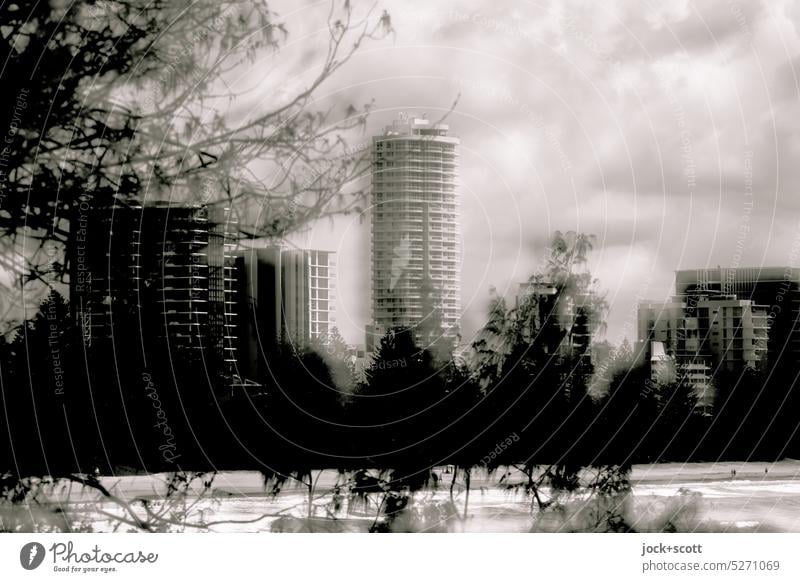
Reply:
x=407 y=175
x=443 y=203
x=448 y=308
x=417 y=255
x=434 y=219
x=413 y=164
x=384 y=281
x=413 y=302
x=414 y=145
x=393 y=209
x=416 y=198
x=410 y=301
x=406 y=189
x=440 y=273
x=421 y=152
x=416 y=204
x=413 y=210
x=442 y=170
x=405 y=226
x=389 y=232
x=403 y=292
x=412 y=318
x=444 y=183
x=449 y=244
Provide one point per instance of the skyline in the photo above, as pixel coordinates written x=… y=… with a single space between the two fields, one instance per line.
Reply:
x=239 y=236
x=603 y=129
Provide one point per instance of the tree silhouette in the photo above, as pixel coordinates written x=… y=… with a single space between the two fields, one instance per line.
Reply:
x=135 y=99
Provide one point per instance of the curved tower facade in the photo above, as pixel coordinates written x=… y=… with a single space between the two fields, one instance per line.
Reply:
x=415 y=235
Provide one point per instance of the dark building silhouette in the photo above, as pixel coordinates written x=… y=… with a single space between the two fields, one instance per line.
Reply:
x=160 y=272
x=258 y=274
x=285 y=296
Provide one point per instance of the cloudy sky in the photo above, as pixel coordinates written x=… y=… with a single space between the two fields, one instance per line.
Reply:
x=672 y=134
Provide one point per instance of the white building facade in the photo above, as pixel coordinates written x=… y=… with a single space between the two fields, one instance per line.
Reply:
x=415 y=233
x=308 y=295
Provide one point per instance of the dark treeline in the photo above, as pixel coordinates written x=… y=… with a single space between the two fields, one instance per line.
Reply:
x=525 y=395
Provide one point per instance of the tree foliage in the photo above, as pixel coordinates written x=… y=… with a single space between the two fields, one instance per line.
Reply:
x=138 y=100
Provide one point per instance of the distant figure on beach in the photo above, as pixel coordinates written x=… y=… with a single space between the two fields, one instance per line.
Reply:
x=766 y=470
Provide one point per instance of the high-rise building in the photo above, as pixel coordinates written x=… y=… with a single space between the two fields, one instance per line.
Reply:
x=703 y=335
x=415 y=234
x=665 y=369
x=777 y=289
x=725 y=332
x=159 y=271
x=308 y=295
x=258 y=272
x=726 y=319
x=285 y=296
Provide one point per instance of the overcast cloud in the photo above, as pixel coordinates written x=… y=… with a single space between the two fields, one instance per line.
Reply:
x=673 y=134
